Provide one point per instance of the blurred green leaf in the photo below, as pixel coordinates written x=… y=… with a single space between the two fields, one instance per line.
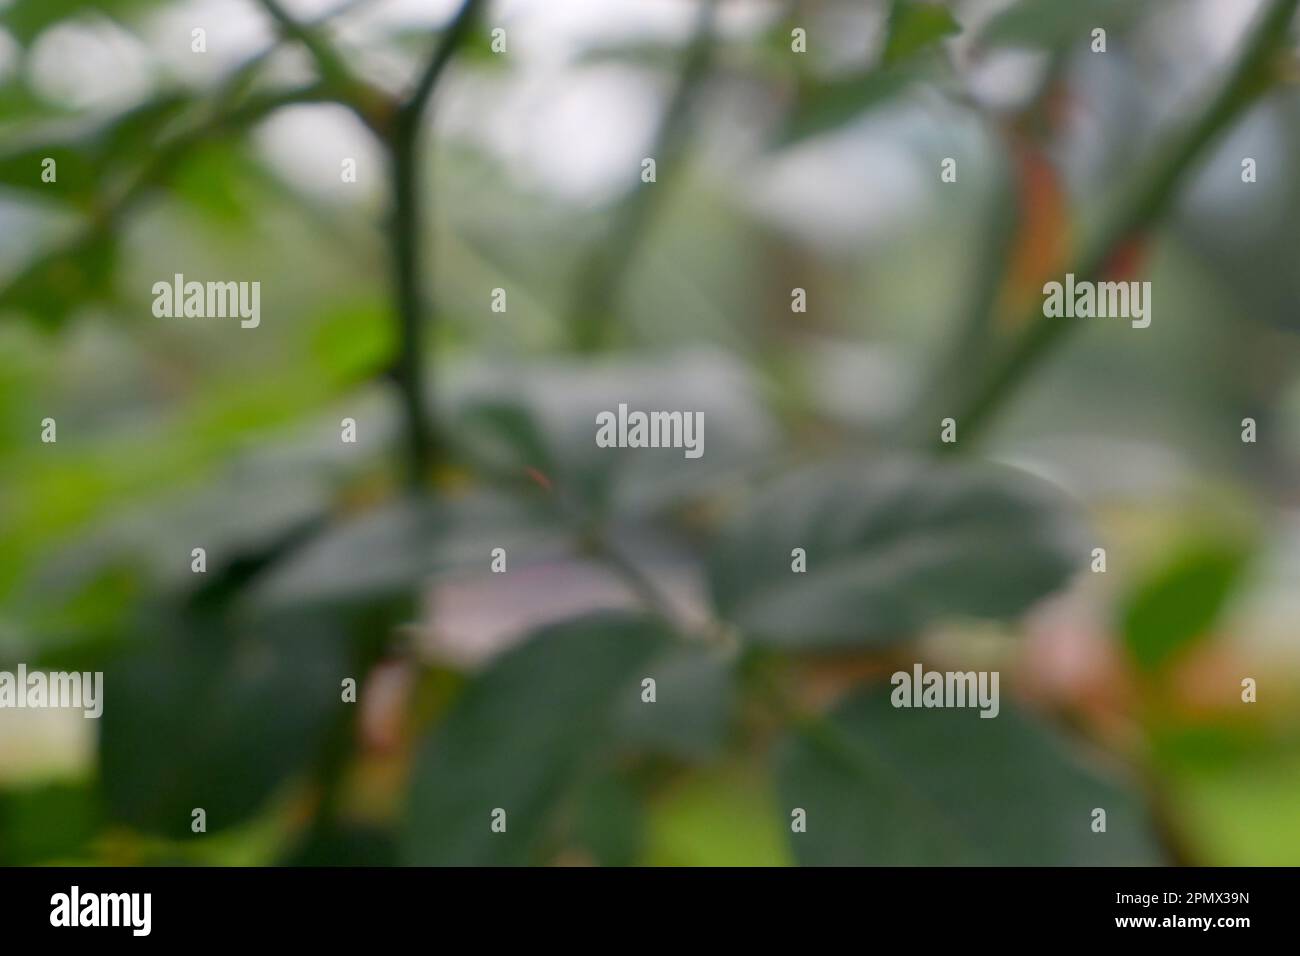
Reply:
x=217 y=714
x=345 y=845
x=823 y=106
x=136 y=549
x=1177 y=605
x=1050 y=23
x=543 y=417
x=609 y=820
x=390 y=549
x=914 y=26
x=74 y=170
x=693 y=698
x=57 y=284
x=718 y=816
x=1233 y=787
x=886 y=786
x=48 y=823
x=504 y=438
x=88 y=159
x=216 y=180
x=889 y=548
x=477 y=48
x=520 y=738
x=18 y=101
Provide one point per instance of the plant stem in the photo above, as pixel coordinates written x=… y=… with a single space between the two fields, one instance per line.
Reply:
x=1145 y=199
x=368 y=102
x=408 y=250
x=975 y=328
x=328 y=61
x=595 y=292
x=637 y=580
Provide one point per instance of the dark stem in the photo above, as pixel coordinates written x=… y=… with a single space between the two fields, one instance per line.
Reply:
x=410 y=252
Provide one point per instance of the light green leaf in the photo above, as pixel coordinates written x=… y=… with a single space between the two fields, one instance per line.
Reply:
x=47 y=823
x=823 y=106
x=889 y=548
x=942 y=787
x=721 y=815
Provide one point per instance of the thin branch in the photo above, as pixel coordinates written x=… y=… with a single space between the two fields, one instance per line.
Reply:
x=371 y=105
x=167 y=156
x=1147 y=197
x=601 y=275
x=163 y=162
x=974 y=331
x=328 y=60
x=645 y=588
x=962 y=360
x=451 y=38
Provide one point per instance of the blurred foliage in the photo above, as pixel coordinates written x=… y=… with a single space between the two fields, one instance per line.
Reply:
x=942 y=789
x=893 y=547
x=523 y=691
x=1181 y=602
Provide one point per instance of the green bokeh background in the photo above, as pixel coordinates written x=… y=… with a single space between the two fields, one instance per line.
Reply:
x=776 y=170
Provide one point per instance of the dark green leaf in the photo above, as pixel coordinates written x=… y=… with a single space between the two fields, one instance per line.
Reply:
x=693 y=697
x=521 y=737
x=1177 y=606
x=886 y=786
x=889 y=548
x=217 y=715
x=609 y=820
x=346 y=846
x=544 y=418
